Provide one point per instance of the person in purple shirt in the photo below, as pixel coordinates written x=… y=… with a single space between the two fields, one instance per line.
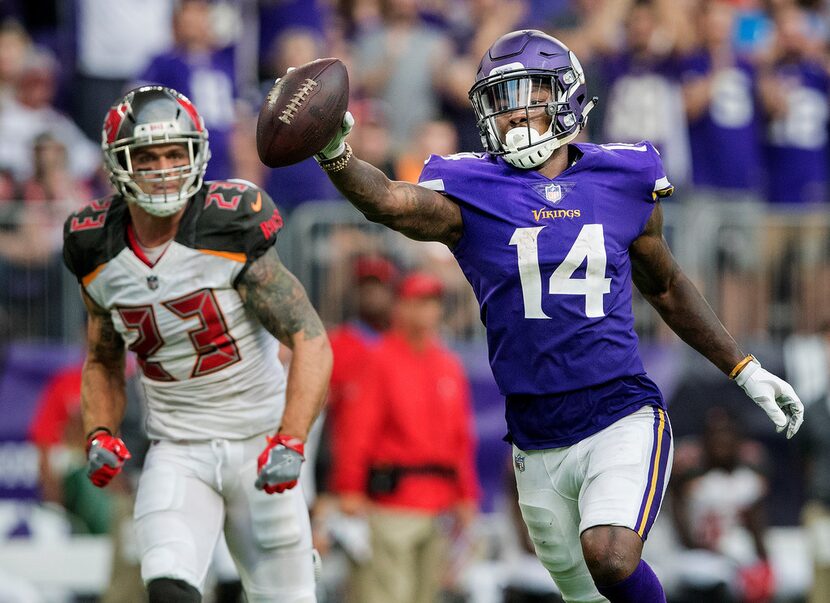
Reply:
x=203 y=73
x=719 y=90
x=550 y=235
x=795 y=93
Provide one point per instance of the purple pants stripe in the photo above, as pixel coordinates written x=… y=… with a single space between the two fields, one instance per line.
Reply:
x=653 y=496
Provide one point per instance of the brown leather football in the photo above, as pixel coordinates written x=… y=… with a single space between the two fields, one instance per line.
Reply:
x=302 y=112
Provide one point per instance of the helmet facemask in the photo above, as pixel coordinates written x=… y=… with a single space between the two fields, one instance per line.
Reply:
x=520 y=95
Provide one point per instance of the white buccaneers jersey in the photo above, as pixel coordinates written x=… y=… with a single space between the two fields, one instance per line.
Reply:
x=210 y=369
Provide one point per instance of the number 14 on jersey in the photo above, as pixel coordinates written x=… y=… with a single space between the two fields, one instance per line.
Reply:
x=589 y=245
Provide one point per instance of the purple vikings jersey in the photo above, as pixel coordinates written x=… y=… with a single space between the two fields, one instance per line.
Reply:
x=797 y=141
x=548 y=261
x=725 y=138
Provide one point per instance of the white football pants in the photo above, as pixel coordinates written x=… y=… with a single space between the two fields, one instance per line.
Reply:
x=189 y=492
x=615 y=477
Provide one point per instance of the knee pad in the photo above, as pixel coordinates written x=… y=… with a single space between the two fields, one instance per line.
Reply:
x=170 y=590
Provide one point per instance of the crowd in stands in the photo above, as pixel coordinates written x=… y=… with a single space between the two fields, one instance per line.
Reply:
x=734 y=93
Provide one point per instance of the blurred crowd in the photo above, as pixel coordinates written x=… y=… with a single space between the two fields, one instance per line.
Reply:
x=734 y=93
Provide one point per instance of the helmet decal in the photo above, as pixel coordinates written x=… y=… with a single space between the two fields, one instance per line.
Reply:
x=113 y=121
x=191 y=111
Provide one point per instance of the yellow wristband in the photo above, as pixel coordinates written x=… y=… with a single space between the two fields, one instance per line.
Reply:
x=739 y=367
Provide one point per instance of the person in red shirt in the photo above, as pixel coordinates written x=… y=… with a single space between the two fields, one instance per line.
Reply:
x=405 y=453
x=373 y=280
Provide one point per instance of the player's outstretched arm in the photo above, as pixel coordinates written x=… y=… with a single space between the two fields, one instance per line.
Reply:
x=682 y=307
x=417 y=212
x=275 y=296
x=103 y=395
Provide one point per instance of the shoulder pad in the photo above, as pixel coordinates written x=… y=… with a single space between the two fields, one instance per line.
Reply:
x=232 y=216
x=92 y=236
x=644 y=160
x=437 y=168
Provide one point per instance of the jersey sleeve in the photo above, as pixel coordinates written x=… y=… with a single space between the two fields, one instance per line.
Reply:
x=451 y=175
x=238 y=218
x=659 y=182
x=88 y=237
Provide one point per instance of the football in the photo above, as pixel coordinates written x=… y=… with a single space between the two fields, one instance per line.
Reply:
x=302 y=112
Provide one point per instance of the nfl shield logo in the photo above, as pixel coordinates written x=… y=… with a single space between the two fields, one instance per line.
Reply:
x=153 y=282
x=519 y=461
x=553 y=193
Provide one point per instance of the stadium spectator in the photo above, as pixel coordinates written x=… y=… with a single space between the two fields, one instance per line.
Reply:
x=720 y=94
x=15 y=44
x=643 y=99
x=795 y=95
x=31 y=113
x=719 y=90
x=203 y=72
x=402 y=62
x=373 y=289
x=167 y=250
x=115 y=39
x=405 y=454
x=369 y=296
x=29 y=258
x=719 y=489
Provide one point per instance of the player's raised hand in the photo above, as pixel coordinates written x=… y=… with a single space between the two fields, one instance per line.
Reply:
x=774 y=395
x=278 y=466
x=105 y=457
x=337 y=145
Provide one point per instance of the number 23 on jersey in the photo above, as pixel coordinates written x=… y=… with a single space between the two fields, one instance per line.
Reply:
x=589 y=245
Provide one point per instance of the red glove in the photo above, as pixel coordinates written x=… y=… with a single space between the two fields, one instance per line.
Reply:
x=757 y=582
x=105 y=457
x=278 y=466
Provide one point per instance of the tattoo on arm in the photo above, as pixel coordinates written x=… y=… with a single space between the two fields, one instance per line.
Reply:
x=417 y=212
x=104 y=343
x=275 y=296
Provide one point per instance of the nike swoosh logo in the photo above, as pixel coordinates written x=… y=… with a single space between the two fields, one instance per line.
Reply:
x=257 y=205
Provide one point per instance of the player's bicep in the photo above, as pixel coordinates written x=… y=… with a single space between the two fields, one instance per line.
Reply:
x=425 y=215
x=653 y=267
x=278 y=300
x=104 y=344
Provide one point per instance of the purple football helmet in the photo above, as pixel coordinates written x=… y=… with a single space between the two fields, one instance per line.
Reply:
x=524 y=74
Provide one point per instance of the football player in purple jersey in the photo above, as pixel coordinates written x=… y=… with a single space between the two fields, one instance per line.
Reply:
x=550 y=234
x=183 y=272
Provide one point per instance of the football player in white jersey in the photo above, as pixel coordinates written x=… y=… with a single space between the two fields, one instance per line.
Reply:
x=184 y=273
